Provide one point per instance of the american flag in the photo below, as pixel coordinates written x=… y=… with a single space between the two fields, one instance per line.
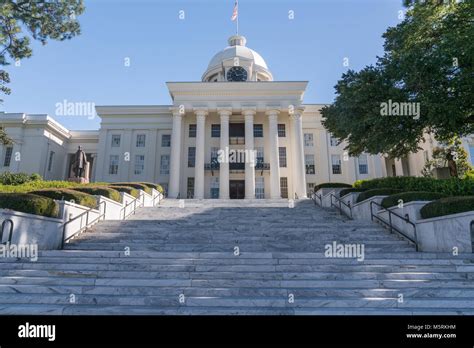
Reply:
x=235 y=14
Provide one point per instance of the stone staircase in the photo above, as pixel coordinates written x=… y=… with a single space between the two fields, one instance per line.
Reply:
x=236 y=257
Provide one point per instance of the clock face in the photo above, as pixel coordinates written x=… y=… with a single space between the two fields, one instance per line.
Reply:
x=237 y=73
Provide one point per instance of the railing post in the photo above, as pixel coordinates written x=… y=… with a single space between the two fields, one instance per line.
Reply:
x=390 y=220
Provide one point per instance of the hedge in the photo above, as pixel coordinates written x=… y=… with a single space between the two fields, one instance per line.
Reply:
x=330 y=185
x=406 y=197
x=100 y=190
x=376 y=192
x=68 y=195
x=344 y=192
x=127 y=189
x=447 y=206
x=135 y=185
x=7 y=178
x=450 y=187
x=29 y=203
x=151 y=185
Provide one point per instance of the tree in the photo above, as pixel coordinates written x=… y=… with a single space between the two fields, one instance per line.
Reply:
x=428 y=63
x=42 y=20
x=450 y=154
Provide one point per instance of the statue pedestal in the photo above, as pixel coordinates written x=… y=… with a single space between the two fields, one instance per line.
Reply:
x=79 y=180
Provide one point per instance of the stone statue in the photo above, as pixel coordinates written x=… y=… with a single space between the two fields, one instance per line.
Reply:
x=80 y=163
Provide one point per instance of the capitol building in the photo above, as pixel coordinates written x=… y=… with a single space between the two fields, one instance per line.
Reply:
x=237 y=107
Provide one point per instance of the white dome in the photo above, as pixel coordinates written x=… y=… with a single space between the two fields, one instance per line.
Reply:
x=237 y=51
x=247 y=58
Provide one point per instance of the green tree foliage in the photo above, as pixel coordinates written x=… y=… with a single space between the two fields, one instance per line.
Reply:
x=429 y=60
x=21 y=20
x=450 y=150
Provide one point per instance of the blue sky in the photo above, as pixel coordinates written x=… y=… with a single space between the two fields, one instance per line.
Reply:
x=162 y=47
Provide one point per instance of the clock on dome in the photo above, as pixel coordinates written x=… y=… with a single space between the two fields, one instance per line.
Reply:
x=237 y=74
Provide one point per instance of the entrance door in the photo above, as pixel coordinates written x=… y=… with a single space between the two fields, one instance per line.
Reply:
x=237 y=189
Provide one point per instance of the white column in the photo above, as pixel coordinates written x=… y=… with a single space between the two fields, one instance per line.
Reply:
x=200 y=151
x=299 y=181
x=175 y=158
x=224 y=165
x=274 y=155
x=250 y=148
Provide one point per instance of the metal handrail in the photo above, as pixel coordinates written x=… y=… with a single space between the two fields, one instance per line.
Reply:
x=134 y=202
x=10 y=234
x=314 y=195
x=341 y=203
x=81 y=229
x=390 y=225
x=154 y=199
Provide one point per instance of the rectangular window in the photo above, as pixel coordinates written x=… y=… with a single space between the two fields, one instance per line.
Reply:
x=310 y=188
x=50 y=160
x=336 y=164
x=308 y=140
x=214 y=155
x=258 y=130
x=215 y=130
x=166 y=140
x=190 y=188
x=260 y=155
x=282 y=156
x=141 y=140
x=260 y=187
x=309 y=163
x=281 y=130
x=165 y=165
x=215 y=187
x=8 y=156
x=284 y=187
x=113 y=164
x=363 y=165
x=334 y=141
x=115 y=140
x=192 y=131
x=139 y=164
x=191 y=157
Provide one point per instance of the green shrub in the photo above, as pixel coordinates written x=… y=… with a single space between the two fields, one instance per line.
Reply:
x=450 y=187
x=447 y=206
x=135 y=185
x=406 y=197
x=128 y=189
x=151 y=185
x=7 y=178
x=28 y=203
x=331 y=185
x=37 y=185
x=100 y=190
x=376 y=192
x=344 y=192
x=68 y=195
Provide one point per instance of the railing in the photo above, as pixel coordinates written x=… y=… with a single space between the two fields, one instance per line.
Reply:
x=315 y=196
x=10 y=234
x=341 y=203
x=134 y=202
x=391 y=226
x=82 y=228
x=296 y=196
x=154 y=199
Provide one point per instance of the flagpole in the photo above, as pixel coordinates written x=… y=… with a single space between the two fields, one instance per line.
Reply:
x=237 y=17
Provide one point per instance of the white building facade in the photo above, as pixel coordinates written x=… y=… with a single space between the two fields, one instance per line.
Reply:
x=236 y=108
